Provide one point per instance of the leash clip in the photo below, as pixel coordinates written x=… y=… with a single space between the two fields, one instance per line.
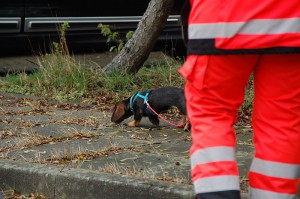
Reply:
x=147 y=103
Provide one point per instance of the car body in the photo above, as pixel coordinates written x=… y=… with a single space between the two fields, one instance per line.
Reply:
x=32 y=23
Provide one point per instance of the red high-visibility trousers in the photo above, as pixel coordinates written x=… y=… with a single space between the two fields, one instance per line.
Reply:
x=214 y=91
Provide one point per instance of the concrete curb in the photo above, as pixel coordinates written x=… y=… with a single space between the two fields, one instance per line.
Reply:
x=57 y=182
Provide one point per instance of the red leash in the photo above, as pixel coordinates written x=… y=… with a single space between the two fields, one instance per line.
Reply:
x=172 y=124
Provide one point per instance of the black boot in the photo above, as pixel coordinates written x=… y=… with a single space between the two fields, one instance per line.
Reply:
x=220 y=195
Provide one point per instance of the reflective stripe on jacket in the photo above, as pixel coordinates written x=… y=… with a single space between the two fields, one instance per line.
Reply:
x=233 y=26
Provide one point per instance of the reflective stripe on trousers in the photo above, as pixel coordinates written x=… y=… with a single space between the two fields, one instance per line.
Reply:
x=273 y=177
x=214 y=91
x=204 y=159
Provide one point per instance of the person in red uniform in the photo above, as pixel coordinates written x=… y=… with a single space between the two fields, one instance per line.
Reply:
x=227 y=41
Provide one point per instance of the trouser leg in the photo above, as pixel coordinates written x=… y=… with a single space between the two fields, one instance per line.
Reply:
x=214 y=91
x=275 y=169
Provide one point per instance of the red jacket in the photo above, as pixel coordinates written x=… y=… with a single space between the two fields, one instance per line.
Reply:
x=247 y=26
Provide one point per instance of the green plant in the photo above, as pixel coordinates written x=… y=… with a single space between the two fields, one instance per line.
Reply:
x=113 y=37
x=129 y=35
x=61 y=47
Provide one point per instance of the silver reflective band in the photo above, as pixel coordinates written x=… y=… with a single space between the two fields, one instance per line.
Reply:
x=275 y=169
x=217 y=183
x=254 y=27
x=262 y=194
x=210 y=31
x=212 y=154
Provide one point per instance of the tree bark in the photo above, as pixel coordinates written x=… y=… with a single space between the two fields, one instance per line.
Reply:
x=137 y=49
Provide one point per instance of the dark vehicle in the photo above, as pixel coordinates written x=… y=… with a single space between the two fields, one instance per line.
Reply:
x=34 y=24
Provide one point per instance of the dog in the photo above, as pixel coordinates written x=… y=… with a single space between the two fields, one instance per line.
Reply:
x=160 y=100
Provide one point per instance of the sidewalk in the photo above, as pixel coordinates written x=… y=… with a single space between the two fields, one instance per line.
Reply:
x=71 y=151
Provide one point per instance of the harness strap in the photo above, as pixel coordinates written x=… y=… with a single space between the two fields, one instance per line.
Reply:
x=134 y=97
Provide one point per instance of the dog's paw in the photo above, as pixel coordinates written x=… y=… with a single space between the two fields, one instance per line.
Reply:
x=154 y=121
x=133 y=123
x=187 y=126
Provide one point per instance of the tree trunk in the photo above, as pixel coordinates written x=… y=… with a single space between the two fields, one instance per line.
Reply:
x=137 y=49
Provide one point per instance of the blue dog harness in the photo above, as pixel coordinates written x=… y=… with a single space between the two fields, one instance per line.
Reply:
x=144 y=97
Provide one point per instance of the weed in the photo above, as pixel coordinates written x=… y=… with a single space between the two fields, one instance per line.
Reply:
x=114 y=42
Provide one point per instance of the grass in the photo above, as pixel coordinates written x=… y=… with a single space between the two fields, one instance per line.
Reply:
x=116 y=168
x=60 y=77
x=148 y=77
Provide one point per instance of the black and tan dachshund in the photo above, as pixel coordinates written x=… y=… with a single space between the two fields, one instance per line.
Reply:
x=160 y=100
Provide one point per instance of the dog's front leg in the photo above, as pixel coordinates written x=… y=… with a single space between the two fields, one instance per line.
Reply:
x=136 y=121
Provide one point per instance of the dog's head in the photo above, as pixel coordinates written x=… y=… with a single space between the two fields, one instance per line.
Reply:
x=121 y=111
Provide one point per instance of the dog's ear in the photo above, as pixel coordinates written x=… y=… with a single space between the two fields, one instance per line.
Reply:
x=118 y=112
